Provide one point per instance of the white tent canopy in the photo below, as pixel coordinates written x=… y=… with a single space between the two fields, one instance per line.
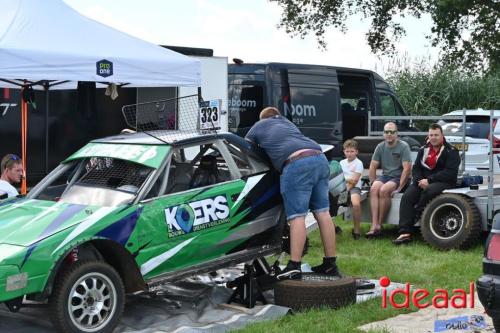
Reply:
x=48 y=40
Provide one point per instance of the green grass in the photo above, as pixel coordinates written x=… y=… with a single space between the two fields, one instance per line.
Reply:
x=417 y=263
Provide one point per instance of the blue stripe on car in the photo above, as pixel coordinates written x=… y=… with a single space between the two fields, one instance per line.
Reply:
x=121 y=230
x=68 y=212
x=266 y=196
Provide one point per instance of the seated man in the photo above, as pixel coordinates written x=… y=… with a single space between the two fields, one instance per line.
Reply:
x=434 y=171
x=395 y=158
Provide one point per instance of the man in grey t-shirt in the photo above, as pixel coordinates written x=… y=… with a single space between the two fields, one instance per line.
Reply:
x=393 y=155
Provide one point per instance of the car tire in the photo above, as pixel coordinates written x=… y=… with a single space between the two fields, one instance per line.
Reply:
x=451 y=221
x=496 y=324
x=315 y=290
x=73 y=302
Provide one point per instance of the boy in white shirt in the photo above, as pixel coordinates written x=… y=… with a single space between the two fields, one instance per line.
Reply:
x=353 y=168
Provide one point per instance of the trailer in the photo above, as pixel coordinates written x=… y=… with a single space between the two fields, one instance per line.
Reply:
x=455 y=218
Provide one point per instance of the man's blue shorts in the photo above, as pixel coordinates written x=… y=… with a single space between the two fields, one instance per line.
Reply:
x=304 y=186
x=385 y=179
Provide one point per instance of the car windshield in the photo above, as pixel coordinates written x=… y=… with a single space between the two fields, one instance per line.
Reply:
x=474 y=128
x=102 y=181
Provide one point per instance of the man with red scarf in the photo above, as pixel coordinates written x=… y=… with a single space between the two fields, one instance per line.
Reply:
x=435 y=170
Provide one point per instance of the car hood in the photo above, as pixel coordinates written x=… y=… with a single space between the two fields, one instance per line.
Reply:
x=25 y=221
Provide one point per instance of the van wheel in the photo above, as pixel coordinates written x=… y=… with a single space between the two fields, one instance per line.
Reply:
x=451 y=221
x=88 y=297
x=315 y=290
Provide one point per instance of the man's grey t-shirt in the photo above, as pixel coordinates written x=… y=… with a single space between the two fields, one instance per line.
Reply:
x=391 y=158
x=280 y=138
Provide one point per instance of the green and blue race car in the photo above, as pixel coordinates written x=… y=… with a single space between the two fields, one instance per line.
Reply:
x=130 y=212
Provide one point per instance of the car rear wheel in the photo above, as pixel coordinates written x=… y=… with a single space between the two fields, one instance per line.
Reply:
x=451 y=221
x=88 y=297
x=496 y=324
x=315 y=290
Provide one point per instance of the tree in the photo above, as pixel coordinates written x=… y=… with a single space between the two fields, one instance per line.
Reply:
x=467 y=31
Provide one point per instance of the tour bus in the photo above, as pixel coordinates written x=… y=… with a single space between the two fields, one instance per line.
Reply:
x=328 y=104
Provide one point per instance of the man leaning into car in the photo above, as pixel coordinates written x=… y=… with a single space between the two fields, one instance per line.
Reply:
x=304 y=185
x=435 y=170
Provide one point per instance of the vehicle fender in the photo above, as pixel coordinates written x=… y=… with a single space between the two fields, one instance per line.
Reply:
x=100 y=249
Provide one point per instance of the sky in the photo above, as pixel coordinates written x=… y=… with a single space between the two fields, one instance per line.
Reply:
x=247 y=29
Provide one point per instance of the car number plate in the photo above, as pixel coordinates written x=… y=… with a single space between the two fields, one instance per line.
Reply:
x=461 y=146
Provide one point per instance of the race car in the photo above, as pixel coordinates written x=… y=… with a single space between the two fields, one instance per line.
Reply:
x=130 y=212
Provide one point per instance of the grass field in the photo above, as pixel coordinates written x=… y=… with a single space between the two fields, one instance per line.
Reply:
x=417 y=263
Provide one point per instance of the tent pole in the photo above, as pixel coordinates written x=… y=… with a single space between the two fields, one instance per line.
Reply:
x=24 y=138
x=46 y=87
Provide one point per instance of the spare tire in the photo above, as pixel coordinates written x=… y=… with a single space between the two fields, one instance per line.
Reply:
x=451 y=221
x=315 y=290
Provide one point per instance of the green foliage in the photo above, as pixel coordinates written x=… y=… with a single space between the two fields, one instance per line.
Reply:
x=467 y=31
x=424 y=90
x=417 y=263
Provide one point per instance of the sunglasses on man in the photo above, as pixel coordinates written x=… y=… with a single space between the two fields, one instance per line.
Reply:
x=390 y=132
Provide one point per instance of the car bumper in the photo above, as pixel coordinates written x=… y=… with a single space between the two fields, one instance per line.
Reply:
x=9 y=286
x=488 y=290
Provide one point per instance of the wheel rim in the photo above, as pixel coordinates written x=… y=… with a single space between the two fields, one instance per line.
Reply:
x=92 y=302
x=446 y=221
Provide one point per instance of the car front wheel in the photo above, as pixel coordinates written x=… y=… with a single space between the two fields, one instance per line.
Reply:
x=87 y=297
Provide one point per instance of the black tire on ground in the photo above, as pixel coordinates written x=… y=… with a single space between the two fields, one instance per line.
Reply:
x=87 y=291
x=315 y=290
x=496 y=324
x=451 y=221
